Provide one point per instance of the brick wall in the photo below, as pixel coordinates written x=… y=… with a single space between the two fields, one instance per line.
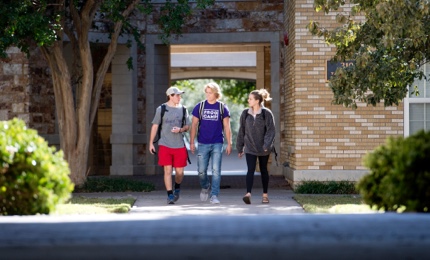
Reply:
x=322 y=136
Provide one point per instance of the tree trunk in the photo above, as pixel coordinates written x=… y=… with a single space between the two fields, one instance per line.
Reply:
x=78 y=164
x=74 y=129
x=76 y=114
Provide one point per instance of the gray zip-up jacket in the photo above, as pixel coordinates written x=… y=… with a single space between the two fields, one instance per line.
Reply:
x=256 y=135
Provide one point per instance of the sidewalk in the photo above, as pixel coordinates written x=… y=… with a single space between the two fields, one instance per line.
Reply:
x=154 y=203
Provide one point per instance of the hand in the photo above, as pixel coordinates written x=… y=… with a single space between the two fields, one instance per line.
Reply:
x=192 y=148
x=228 y=149
x=240 y=155
x=176 y=129
x=152 y=149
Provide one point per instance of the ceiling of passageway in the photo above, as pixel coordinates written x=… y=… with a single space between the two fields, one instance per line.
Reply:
x=214 y=61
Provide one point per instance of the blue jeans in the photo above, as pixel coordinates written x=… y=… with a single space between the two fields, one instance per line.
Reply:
x=205 y=153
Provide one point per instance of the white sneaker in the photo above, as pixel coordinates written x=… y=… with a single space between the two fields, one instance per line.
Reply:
x=204 y=194
x=214 y=200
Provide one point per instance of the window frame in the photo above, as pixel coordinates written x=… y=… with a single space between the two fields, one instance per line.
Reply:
x=414 y=100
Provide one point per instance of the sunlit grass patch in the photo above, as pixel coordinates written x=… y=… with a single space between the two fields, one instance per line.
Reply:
x=341 y=204
x=90 y=206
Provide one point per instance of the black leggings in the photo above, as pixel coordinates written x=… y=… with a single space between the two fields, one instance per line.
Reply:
x=251 y=161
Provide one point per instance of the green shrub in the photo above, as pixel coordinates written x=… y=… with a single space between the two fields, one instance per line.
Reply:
x=330 y=187
x=33 y=176
x=114 y=184
x=399 y=174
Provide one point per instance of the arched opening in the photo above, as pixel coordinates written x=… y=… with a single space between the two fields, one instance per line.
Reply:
x=211 y=48
x=234 y=68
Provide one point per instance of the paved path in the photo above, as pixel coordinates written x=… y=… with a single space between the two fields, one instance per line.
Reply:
x=155 y=202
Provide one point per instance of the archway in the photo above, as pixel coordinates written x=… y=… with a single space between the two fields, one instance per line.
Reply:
x=158 y=72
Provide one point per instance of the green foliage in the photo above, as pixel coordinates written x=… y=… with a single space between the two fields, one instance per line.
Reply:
x=174 y=15
x=114 y=184
x=237 y=91
x=331 y=187
x=389 y=47
x=22 y=24
x=34 y=178
x=399 y=174
x=42 y=22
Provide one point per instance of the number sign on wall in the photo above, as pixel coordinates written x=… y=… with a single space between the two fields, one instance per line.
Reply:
x=333 y=65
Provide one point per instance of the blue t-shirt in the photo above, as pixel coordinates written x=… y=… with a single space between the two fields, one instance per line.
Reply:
x=211 y=129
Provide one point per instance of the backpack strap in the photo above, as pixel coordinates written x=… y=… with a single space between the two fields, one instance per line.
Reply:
x=276 y=155
x=201 y=107
x=221 y=109
x=163 y=110
x=184 y=115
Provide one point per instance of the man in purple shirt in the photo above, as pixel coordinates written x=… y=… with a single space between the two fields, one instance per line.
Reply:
x=211 y=121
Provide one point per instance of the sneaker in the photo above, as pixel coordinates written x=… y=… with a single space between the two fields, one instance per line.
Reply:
x=176 y=195
x=170 y=199
x=204 y=194
x=214 y=200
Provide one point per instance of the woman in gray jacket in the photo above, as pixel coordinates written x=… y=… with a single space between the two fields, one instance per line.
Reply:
x=255 y=140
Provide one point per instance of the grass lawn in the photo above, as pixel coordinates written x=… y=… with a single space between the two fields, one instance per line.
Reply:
x=342 y=204
x=89 y=206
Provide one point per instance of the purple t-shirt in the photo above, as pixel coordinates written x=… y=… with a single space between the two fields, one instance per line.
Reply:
x=211 y=129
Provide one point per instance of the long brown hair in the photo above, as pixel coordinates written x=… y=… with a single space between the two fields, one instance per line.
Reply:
x=261 y=95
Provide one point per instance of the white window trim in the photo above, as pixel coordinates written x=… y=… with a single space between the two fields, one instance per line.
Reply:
x=407 y=101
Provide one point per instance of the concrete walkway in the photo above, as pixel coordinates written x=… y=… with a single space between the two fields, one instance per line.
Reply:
x=154 y=203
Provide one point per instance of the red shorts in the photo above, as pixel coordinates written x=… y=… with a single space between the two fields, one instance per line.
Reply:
x=176 y=157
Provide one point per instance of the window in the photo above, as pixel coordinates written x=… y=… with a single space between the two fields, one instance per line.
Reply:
x=417 y=108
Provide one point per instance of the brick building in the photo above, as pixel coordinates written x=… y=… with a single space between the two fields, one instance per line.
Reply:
x=315 y=139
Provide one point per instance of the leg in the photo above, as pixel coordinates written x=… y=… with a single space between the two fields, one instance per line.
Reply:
x=179 y=162
x=168 y=177
x=203 y=155
x=179 y=175
x=263 y=160
x=251 y=162
x=216 y=156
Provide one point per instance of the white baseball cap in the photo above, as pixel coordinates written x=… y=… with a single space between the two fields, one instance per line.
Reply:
x=174 y=90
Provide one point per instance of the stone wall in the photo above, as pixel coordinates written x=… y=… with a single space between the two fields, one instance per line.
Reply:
x=27 y=91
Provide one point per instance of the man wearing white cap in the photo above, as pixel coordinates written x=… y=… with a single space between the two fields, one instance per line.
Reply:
x=172 y=151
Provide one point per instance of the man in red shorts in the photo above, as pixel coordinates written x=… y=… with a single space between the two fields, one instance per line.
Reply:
x=172 y=151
